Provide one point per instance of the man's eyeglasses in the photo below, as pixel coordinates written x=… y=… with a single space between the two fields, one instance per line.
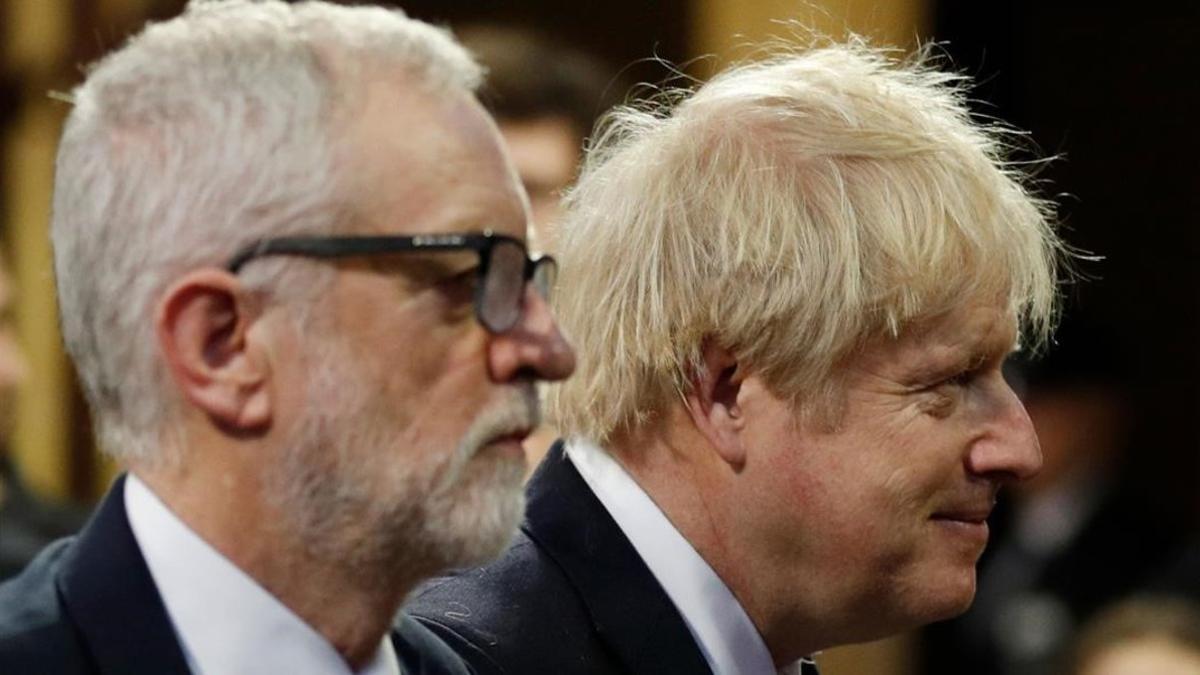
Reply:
x=504 y=264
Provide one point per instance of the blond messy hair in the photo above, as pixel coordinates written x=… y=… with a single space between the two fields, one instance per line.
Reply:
x=788 y=210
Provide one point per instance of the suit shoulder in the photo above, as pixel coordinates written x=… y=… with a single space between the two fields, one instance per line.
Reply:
x=35 y=633
x=517 y=614
x=502 y=597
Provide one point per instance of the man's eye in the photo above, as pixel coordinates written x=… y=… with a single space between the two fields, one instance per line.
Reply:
x=962 y=379
x=958 y=379
x=462 y=283
x=967 y=374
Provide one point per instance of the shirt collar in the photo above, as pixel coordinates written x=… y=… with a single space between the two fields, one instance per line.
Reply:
x=724 y=632
x=225 y=621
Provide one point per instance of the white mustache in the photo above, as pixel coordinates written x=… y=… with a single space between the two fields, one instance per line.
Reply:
x=518 y=414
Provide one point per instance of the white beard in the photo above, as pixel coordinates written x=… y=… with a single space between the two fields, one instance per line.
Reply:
x=341 y=496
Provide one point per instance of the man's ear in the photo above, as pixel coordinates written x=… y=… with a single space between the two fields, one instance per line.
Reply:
x=713 y=403
x=202 y=325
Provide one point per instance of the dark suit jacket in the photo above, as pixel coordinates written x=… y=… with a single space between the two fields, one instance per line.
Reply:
x=88 y=605
x=571 y=596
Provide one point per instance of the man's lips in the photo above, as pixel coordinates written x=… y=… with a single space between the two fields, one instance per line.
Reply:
x=967 y=508
x=517 y=436
x=966 y=515
x=969 y=521
x=512 y=442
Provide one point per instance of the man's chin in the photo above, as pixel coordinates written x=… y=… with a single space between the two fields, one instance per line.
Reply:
x=907 y=605
x=491 y=538
x=951 y=596
x=484 y=516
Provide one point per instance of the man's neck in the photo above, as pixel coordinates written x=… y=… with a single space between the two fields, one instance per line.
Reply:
x=351 y=610
x=695 y=489
x=685 y=482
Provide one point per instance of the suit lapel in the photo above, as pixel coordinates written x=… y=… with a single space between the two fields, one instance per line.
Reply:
x=629 y=609
x=420 y=652
x=111 y=598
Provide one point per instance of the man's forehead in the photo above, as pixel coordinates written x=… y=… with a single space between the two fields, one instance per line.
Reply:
x=977 y=323
x=976 y=331
x=424 y=162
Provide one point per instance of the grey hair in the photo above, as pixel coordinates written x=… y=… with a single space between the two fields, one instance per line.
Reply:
x=200 y=135
x=789 y=210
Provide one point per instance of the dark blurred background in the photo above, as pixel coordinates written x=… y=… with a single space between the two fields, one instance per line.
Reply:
x=1110 y=92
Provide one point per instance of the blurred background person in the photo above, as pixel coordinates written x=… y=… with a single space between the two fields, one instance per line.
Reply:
x=546 y=97
x=1139 y=636
x=27 y=521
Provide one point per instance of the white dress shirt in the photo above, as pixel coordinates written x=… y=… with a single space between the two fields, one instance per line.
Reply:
x=226 y=623
x=727 y=637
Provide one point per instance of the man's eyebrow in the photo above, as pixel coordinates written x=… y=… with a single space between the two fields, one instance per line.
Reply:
x=930 y=366
x=968 y=354
x=987 y=349
x=426 y=264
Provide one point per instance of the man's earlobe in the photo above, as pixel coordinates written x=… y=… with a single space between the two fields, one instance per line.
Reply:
x=202 y=325
x=713 y=403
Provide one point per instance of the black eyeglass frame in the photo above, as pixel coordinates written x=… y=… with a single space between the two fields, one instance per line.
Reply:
x=358 y=246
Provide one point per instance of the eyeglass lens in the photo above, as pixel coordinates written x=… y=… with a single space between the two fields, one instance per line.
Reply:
x=545 y=274
x=504 y=285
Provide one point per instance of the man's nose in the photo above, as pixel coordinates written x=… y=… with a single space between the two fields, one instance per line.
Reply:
x=1009 y=447
x=534 y=347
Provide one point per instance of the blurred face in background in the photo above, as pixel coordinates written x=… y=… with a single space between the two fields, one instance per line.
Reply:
x=545 y=151
x=13 y=367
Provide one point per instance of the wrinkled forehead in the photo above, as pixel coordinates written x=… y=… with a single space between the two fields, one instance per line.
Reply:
x=971 y=333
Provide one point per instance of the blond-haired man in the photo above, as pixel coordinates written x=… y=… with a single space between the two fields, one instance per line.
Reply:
x=792 y=292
